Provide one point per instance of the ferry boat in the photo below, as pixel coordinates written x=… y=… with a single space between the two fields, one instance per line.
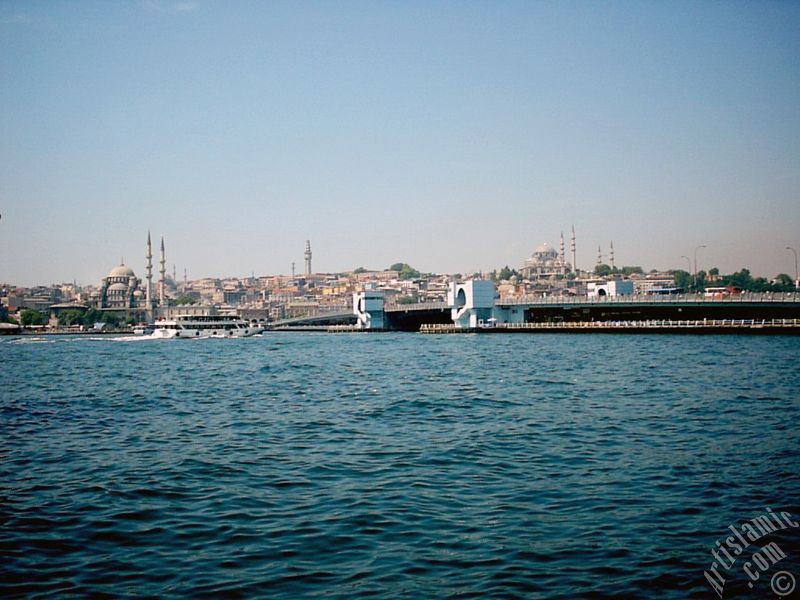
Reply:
x=204 y=326
x=143 y=330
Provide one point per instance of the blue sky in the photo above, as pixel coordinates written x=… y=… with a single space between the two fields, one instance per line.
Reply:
x=455 y=136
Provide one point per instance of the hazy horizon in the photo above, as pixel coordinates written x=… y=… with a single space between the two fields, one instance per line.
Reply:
x=455 y=137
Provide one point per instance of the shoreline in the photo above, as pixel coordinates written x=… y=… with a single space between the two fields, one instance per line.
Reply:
x=661 y=327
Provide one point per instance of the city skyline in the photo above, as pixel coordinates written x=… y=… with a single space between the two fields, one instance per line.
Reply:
x=454 y=137
x=605 y=258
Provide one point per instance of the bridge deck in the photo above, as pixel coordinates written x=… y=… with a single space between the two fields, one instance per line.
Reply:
x=654 y=326
x=416 y=307
x=311 y=319
x=683 y=299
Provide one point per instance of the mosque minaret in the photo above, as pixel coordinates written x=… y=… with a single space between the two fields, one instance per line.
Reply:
x=149 y=290
x=121 y=290
x=572 y=247
x=163 y=282
x=611 y=255
x=547 y=262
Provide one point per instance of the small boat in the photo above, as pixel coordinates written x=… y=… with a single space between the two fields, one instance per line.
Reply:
x=204 y=326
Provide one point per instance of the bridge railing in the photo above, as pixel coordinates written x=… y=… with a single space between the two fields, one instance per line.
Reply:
x=333 y=312
x=657 y=323
x=417 y=306
x=747 y=297
x=660 y=324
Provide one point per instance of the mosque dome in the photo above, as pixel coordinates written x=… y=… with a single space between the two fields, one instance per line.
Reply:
x=546 y=249
x=546 y=262
x=121 y=289
x=121 y=271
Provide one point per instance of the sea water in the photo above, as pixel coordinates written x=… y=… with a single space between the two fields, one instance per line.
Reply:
x=392 y=465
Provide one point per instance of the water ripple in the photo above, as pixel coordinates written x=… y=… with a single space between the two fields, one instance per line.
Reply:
x=388 y=465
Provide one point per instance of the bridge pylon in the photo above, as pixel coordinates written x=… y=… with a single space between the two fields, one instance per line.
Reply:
x=368 y=307
x=471 y=303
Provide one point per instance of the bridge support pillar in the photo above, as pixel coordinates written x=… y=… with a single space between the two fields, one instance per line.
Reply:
x=471 y=303
x=368 y=309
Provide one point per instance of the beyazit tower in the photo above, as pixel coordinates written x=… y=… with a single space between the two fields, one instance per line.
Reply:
x=307 y=256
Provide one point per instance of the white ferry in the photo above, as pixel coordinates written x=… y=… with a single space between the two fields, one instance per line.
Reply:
x=204 y=326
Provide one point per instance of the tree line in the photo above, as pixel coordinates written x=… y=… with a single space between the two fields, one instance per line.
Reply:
x=741 y=280
x=69 y=318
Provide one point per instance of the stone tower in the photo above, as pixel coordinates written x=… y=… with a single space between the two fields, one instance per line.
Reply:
x=307 y=256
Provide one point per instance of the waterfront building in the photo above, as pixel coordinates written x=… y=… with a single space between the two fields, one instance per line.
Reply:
x=38 y=298
x=194 y=310
x=611 y=288
x=654 y=283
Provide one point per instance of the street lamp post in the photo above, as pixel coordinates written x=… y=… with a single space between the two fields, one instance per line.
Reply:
x=796 y=278
x=695 y=258
x=695 y=265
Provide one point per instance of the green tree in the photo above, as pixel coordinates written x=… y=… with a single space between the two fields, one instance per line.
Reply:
x=631 y=270
x=183 y=300
x=111 y=319
x=602 y=270
x=408 y=272
x=32 y=317
x=700 y=281
x=91 y=317
x=682 y=279
x=741 y=279
x=396 y=267
x=745 y=281
x=359 y=270
x=505 y=273
x=783 y=283
x=762 y=284
x=70 y=317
